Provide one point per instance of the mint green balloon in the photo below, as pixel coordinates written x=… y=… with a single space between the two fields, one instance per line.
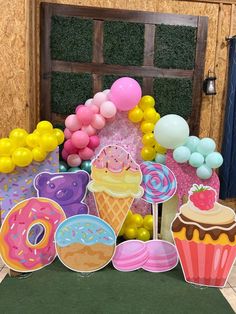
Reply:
x=192 y=143
x=160 y=159
x=73 y=169
x=63 y=166
x=214 y=160
x=181 y=154
x=196 y=160
x=206 y=146
x=204 y=172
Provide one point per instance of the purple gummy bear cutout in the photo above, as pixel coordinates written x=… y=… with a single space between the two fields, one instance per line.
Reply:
x=67 y=189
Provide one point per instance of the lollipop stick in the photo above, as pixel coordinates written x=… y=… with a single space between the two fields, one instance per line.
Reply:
x=155 y=220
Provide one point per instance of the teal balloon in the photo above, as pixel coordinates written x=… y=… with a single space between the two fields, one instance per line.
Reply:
x=214 y=160
x=204 y=172
x=160 y=159
x=181 y=154
x=73 y=169
x=63 y=166
x=196 y=160
x=86 y=166
x=192 y=143
x=206 y=146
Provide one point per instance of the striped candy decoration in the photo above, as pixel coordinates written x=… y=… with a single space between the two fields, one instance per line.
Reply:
x=159 y=182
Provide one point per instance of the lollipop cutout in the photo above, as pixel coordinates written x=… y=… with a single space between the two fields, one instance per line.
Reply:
x=159 y=184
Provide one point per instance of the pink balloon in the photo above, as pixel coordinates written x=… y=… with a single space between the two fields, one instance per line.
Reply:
x=94 y=142
x=89 y=102
x=80 y=139
x=72 y=123
x=108 y=109
x=94 y=108
x=98 y=122
x=64 y=154
x=67 y=133
x=80 y=105
x=86 y=153
x=69 y=147
x=125 y=93
x=106 y=91
x=89 y=130
x=74 y=160
x=99 y=98
x=84 y=115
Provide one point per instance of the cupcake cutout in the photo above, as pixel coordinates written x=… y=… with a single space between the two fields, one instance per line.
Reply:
x=204 y=232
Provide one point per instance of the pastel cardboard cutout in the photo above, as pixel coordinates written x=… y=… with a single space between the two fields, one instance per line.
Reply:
x=159 y=184
x=18 y=185
x=116 y=180
x=85 y=243
x=204 y=232
x=19 y=250
x=67 y=189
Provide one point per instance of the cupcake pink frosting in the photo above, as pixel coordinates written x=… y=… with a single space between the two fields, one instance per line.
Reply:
x=115 y=159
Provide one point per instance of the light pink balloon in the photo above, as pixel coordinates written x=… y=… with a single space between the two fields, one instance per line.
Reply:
x=106 y=91
x=108 y=109
x=99 y=98
x=86 y=153
x=72 y=123
x=89 y=130
x=74 y=160
x=94 y=108
x=84 y=115
x=89 y=102
x=125 y=93
x=98 y=121
x=80 y=139
x=67 y=133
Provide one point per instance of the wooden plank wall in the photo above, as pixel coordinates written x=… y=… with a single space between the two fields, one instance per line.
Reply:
x=19 y=44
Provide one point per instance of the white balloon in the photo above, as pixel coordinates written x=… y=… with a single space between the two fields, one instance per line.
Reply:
x=171 y=131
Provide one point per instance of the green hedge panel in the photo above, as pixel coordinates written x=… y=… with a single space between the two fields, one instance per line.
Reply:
x=68 y=90
x=123 y=43
x=173 y=96
x=71 y=39
x=175 y=47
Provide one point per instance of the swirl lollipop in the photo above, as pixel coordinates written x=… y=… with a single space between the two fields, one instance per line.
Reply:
x=159 y=184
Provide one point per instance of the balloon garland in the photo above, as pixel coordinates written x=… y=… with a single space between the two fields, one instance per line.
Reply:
x=22 y=148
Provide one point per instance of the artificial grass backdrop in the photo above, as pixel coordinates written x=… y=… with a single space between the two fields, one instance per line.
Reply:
x=55 y=289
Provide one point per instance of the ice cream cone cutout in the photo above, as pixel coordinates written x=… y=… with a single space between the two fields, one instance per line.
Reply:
x=116 y=181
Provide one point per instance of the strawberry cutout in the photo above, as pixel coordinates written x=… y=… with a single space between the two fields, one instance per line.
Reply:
x=202 y=197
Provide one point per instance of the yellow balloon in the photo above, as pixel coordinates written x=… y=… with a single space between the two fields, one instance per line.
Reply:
x=147 y=127
x=59 y=135
x=36 y=132
x=6 y=164
x=122 y=231
x=18 y=136
x=44 y=127
x=143 y=234
x=146 y=102
x=148 y=153
x=148 y=139
x=22 y=157
x=39 y=154
x=32 y=140
x=148 y=222
x=136 y=220
x=48 y=142
x=130 y=232
x=151 y=115
x=7 y=146
x=159 y=149
x=135 y=115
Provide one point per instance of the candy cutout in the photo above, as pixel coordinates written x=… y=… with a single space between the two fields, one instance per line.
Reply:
x=159 y=184
x=85 y=243
x=17 y=250
x=130 y=255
